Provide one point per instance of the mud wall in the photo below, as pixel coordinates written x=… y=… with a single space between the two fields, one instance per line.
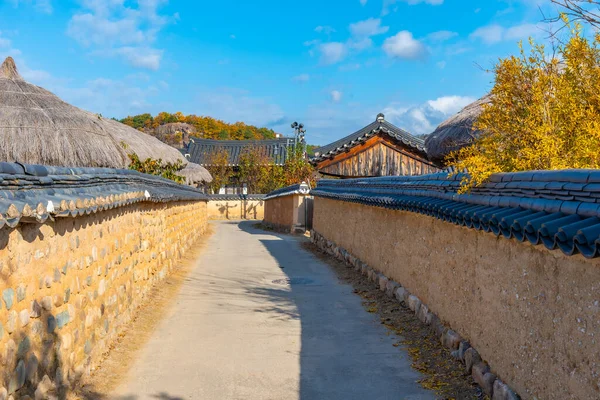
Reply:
x=533 y=314
x=283 y=213
x=69 y=286
x=236 y=209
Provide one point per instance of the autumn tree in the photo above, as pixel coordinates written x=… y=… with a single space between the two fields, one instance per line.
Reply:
x=297 y=169
x=219 y=168
x=254 y=169
x=208 y=127
x=544 y=113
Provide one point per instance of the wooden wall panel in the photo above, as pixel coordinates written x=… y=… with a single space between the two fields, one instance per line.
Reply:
x=377 y=158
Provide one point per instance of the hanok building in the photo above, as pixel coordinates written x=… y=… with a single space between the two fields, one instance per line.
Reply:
x=378 y=149
x=201 y=151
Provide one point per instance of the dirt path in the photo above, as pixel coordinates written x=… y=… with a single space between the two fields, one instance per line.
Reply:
x=259 y=317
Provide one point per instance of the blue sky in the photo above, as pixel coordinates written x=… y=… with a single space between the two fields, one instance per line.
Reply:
x=330 y=64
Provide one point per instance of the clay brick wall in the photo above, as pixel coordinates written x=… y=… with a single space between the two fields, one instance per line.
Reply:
x=236 y=209
x=533 y=314
x=68 y=286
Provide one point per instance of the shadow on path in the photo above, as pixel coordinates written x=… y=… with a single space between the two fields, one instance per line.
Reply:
x=345 y=352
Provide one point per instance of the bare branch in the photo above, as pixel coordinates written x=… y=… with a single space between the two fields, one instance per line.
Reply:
x=579 y=11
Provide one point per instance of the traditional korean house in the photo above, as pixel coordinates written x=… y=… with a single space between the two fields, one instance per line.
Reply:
x=378 y=149
x=201 y=151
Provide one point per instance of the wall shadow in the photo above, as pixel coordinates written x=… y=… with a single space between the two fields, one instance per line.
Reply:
x=345 y=352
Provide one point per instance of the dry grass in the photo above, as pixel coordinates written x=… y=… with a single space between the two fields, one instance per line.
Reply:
x=443 y=374
x=114 y=367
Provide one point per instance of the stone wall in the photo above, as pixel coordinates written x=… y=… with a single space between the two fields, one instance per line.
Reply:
x=236 y=209
x=531 y=313
x=68 y=286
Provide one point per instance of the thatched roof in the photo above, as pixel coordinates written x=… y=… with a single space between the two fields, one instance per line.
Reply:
x=174 y=127
x=37 y=127
x=455 y=132
x=194 y=174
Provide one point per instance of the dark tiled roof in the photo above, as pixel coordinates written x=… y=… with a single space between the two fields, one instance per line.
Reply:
x=559 y=209
x=34 y=193
x=289 y=190
x=200 y=150
x=230 y=197
x=378 y=126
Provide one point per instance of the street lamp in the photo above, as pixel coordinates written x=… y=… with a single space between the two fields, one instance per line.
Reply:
x=299 y=132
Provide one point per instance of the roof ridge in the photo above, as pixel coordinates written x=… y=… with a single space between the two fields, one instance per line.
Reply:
x=379 y=125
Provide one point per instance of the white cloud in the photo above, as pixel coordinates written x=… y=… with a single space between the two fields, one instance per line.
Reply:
x=112 y=28
x=350 y=67
x=441 y=36
x=324 y=29
x=360 y=45
x=111 y=98
x=424 y=118
x=523 y=31
x=488 y=34
x=232 y=36
x=4 y=43
x=363 y=2
x=404 y=45
x=367 y=28
x=141 y=57
x=43 y=6
x=332 y=52
x=309 y=43
x=450 y=104
x=336 y=96
x=441 y=64
x=495 y=33
x=360 y=40
x=301 y=78
x=387 y=4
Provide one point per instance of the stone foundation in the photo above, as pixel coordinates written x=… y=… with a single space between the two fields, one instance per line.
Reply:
x=461 y=349
x=70 y=285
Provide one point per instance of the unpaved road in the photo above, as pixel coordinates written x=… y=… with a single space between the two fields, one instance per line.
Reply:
x=261 y=318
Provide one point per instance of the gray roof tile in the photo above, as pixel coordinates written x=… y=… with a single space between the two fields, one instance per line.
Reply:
x=378 y=126
x=36 y=193
x=200 y=150
x=514 y=205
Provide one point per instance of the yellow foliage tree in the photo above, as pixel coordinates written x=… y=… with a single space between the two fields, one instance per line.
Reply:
x=544 y=113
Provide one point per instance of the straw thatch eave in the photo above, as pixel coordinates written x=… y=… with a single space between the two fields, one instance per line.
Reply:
x=195 y=174
x=456 y=132
x=37 y=127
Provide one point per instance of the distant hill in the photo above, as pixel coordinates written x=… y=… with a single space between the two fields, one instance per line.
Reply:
x=206 y=127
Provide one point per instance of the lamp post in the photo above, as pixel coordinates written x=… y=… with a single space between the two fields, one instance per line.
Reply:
x=299 y=132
